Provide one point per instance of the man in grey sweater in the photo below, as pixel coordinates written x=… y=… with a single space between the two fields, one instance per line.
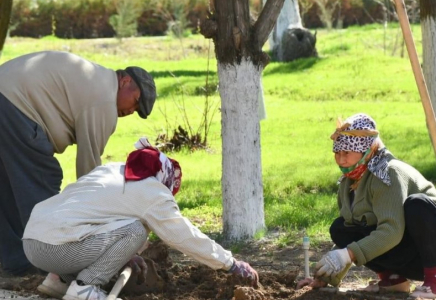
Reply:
x=50 y=100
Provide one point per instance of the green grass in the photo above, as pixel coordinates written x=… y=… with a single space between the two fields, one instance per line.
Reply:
x=360 y=69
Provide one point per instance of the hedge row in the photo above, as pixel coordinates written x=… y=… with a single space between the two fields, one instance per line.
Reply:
x=90 y=18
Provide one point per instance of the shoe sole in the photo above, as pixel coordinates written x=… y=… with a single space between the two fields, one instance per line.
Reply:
x=403 y=287
x=49 y=291
x=373 y=287
x=423 y=295
x=69 y=297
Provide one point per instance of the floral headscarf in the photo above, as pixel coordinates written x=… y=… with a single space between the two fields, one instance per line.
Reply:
x=149 y=161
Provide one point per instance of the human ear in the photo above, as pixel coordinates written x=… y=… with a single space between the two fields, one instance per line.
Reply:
x=125 y=80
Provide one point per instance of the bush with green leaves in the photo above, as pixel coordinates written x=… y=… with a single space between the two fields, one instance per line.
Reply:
x=125 y=21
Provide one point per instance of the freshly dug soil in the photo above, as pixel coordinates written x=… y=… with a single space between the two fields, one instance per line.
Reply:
x=172 y=275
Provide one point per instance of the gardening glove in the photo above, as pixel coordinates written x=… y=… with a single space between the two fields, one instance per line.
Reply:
x=243 y=269
x=335 y=280
x=139 y=268
x=333 y=263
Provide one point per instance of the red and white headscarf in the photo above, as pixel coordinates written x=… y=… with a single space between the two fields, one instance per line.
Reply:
x=149 y=161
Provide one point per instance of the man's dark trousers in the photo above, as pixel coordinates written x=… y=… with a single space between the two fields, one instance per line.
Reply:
x=29 y=174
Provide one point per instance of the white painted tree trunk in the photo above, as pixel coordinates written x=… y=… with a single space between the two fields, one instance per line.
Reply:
x=243 y=209
x=428 y=26
x=289 y=18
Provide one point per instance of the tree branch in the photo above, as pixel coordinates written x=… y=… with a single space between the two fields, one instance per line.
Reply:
x=266 y=21
x=225 y=18
x=242 y=15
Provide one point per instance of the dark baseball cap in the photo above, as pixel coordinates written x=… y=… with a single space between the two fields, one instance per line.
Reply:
x=147 y=87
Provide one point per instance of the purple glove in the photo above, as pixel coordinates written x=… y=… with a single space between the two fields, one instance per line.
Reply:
x=139 y=268
x=243 y=269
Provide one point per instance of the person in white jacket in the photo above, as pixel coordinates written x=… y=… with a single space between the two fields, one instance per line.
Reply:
x=88 y=232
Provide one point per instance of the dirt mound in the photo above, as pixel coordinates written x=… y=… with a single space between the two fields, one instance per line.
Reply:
x=172 y=275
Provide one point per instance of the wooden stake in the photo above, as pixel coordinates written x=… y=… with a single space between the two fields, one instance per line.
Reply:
x=417 y=71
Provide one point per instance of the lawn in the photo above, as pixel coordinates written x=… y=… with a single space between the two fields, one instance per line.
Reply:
x=359 y=69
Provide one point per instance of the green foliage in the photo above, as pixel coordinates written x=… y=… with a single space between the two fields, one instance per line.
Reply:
x=260 y=234
x=105 y=18
x=125 y=21
x=178 y=24
x=354 y=73
x=186 y=134
x=175 y=13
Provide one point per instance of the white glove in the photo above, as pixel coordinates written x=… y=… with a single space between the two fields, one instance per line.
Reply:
x=333 y=263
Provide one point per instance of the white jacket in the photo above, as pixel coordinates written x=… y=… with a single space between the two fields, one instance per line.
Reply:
x=102 y=201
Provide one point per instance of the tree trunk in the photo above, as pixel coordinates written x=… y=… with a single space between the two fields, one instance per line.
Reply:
x=428 y=26
x=5 y=16
x=238 y=48
x=289 y=18
x=289 y=39
x=242 y=180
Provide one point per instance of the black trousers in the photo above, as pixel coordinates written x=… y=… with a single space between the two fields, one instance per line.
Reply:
x=417 y=249
x=29 y=173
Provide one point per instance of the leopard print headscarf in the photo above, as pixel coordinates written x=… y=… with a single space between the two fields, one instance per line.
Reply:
x=356 y=134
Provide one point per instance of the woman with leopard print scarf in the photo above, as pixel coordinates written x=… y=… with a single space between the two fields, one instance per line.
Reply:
x=387 y=215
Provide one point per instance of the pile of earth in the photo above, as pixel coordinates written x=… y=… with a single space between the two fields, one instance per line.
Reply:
x=172 y=275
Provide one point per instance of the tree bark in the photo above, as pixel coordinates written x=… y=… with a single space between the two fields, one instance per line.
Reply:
x=242 y=180
x=238 y=48
x=289 y=17
x=5 y=16
x=428 y=26
x=289 y=39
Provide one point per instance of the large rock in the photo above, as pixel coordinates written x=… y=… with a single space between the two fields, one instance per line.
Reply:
x=296 y=43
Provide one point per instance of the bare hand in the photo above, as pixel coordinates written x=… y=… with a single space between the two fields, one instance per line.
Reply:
x=304 y=282
x=313 y=283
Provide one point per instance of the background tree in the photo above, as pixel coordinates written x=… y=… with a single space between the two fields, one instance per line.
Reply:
x=327 y=9
x=125 y=21
x=289 y=40
x=305 y=6
x=289 y=17
x=175 y=13
x=238 y=48
x=428 y=25
x=5 y=16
